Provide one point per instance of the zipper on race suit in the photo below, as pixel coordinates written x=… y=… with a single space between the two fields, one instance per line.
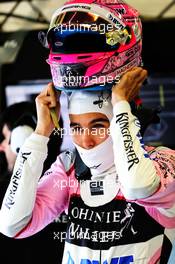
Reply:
x=100 y=257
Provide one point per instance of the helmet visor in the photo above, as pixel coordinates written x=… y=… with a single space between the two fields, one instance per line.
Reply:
x=64 y=41
x=81 y=32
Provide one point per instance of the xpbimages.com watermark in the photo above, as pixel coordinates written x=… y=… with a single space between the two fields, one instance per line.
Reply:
x=102 y=28
x=70 y=78
x=95 y=236
x=100 y=132
x=95 y=186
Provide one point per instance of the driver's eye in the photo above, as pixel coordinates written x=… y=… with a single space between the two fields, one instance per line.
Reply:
x=98 y=126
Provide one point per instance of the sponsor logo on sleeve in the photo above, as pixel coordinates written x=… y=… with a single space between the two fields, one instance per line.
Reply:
x=123 y=121
x=15 y=180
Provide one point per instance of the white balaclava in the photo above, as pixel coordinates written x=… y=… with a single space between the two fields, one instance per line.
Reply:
x=100 y=158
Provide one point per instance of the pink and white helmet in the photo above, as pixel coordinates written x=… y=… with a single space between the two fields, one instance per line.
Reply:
x=92 y=43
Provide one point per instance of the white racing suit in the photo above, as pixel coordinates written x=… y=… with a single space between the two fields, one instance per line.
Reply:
x=125 y=215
